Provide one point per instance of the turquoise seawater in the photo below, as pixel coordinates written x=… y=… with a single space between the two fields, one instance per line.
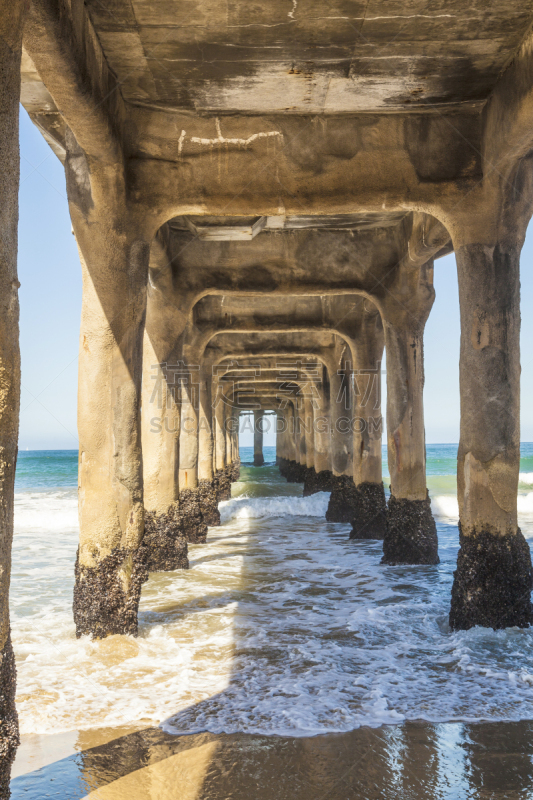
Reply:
x=45 y=469
x=441 y=458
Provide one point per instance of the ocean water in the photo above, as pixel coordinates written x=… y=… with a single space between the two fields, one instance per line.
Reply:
x=282 y=625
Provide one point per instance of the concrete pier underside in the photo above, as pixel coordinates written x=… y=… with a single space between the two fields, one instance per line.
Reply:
x=258 y=195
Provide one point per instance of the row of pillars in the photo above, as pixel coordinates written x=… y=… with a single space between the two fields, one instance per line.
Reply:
x=114 y=233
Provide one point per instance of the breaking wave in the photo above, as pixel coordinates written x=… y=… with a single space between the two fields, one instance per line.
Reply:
x=260 y=507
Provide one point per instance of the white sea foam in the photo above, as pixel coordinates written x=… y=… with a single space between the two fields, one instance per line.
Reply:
x=445 y=507
x=282 y=625
x=46 y=511
x=526 y=477
x=257 y=507
x=525 y=503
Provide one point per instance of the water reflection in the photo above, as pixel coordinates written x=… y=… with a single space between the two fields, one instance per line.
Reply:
x=414 y=760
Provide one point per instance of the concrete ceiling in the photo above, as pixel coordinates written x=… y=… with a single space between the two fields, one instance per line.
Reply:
x=307 y=56
x=212 y=228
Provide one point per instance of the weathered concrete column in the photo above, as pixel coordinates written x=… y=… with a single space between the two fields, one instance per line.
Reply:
x=206 y=484
x=321 y=427
x=160 y=418
x=163 y=538
x=309 y=432
x=235 y=458
x=290 y=464
x=296 y=472
x=189 y=397
x=11 y=21
x=258 y=438
x=307 y=390
x=160 y=433
x=302 y=439
x=192 y=523
x=340 y=412
x=411 y=536
x=370 y=520
x=299 y=471
x=343 y=501
x=114 y=250
x=290 y=435
x=281 y=443
x=493 y=581
x=228 y=417
x=222 y=481
x=320 y=478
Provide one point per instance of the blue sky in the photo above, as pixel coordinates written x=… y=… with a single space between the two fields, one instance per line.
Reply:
x=50 y=302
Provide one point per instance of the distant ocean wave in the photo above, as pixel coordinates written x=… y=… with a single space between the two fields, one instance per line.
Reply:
x=260 y=507
x=447 y=507
x=52 y=511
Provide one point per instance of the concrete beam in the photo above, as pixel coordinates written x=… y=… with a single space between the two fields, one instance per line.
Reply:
x=66 y=51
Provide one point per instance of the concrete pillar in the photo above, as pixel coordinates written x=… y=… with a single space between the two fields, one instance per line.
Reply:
x=340 y=413
x=206 y=484
x=11 y=22
x=205 y=431
x=296 y=433
x=493 y=581
x=302 y=439
x=343 y=500
x=192 y=523
x=228 y=422
x=309 y=432
x=280 y=437
x=188 y=464
x=234 y=443
x=114 y=252
x=163 y=538
x=160 y=432
x=319 y=479
x=321 y=428
x=370 y=520
x=411 y=536
x=298 y=471
x=160 y=417
x=222 y=481
x=258 y=438
x=290 y=464
x=283 y=444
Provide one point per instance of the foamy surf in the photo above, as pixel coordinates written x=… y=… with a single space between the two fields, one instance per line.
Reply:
x=282 y=626
x=46 y=510
x=262 y=507
x=445 y=507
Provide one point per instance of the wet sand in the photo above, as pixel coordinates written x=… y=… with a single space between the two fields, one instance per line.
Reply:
x=448 y=761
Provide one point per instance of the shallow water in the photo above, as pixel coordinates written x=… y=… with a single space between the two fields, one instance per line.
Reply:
x=282 y=625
